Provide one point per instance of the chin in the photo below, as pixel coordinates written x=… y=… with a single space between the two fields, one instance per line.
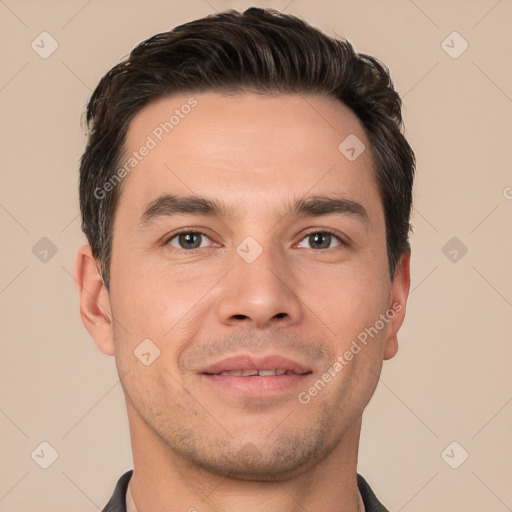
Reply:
x=283 y=459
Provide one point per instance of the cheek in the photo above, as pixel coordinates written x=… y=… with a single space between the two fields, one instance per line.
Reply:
x=159 y=303
x=141 y=294
x=347 y=299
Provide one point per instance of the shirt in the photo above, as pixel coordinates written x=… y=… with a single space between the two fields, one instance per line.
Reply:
x=122 y=501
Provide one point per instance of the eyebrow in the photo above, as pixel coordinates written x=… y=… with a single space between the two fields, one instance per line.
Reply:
x=169 y=205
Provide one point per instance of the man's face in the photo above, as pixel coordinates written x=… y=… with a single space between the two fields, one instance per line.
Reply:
x=256 y=286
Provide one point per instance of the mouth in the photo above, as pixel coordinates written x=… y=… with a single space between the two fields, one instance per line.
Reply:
x=256 y=376
x=255 y=373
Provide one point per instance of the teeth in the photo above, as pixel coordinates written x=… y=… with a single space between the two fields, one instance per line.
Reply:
x=251 y=373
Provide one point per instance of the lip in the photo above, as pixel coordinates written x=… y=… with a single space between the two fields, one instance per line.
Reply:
x=256 y=385
x=250 y=362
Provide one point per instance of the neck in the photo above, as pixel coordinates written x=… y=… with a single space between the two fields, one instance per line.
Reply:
x=163 y=481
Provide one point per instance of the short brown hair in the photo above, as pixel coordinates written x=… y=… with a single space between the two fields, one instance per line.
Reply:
x=260 y=50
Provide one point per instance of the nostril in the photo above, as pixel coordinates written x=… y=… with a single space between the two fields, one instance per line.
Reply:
x=239 y=317
x=281 y=315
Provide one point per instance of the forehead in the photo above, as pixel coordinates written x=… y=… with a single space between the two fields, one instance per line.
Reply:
x=249 y=148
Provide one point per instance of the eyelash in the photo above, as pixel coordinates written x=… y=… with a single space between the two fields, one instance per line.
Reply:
x=199 y=231
x=187 y=231
x=324 y=231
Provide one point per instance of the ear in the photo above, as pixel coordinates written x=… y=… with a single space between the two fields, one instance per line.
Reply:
x=95 y=308
x=397 y=303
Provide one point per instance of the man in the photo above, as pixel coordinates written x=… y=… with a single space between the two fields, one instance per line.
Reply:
x=246 y=192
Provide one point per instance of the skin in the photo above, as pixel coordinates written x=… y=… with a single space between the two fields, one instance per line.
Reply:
x=194 y=446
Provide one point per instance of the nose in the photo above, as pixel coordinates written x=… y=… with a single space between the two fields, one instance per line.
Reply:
x=259 y=294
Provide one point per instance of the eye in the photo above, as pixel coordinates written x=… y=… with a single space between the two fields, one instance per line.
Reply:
x=321 y=240
x=189 y=240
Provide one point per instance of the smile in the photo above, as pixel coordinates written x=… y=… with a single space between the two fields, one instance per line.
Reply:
x=255 y=373
x=271 y=375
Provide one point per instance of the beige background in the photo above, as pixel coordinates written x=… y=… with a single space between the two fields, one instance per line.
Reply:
x=451 y=380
